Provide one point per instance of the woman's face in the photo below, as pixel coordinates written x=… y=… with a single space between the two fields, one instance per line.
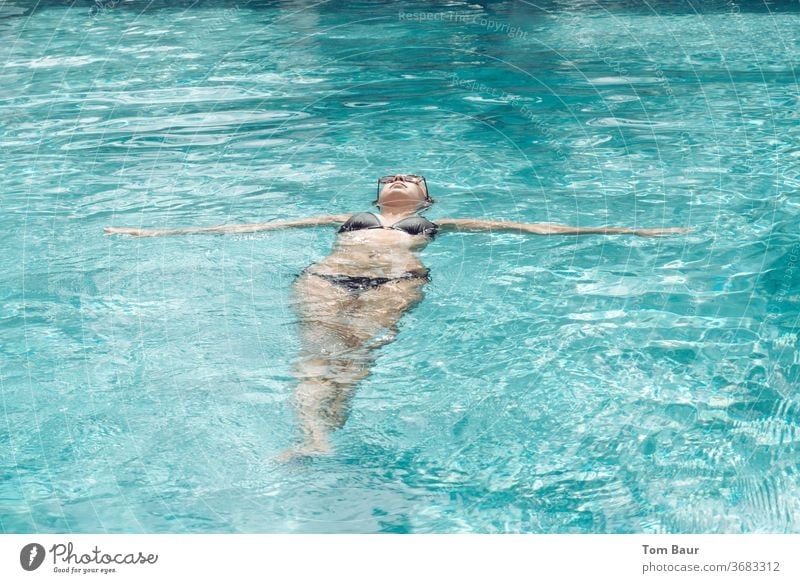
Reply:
x=400 y=190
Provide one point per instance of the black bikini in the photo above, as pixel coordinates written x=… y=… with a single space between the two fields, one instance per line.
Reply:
x=414 y=225
x=358 y=284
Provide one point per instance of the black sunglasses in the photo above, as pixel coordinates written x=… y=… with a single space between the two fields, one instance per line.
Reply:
x=413 y=178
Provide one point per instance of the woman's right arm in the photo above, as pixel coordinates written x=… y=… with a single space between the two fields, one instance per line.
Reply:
x=225 y=229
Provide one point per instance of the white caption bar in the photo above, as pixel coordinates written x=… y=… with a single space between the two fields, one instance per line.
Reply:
x=401 y=558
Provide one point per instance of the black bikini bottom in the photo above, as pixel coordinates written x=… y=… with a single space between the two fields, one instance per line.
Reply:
x=356 y=283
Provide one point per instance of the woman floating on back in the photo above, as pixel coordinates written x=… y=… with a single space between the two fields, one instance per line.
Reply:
x=350 y=302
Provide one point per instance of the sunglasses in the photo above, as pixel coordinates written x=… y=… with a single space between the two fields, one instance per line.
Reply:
x=412 y=178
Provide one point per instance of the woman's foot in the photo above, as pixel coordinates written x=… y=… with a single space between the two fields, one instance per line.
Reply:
x=311 y=449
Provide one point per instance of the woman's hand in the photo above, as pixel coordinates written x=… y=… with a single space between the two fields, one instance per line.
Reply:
x=149 y=232
x=661 y=232
x=127 y=231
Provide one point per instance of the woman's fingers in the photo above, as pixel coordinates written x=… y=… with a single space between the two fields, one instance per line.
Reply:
x=662 y=232
x=119 y=231
x=125 y=231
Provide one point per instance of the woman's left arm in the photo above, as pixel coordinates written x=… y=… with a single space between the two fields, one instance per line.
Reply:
x=550 y=228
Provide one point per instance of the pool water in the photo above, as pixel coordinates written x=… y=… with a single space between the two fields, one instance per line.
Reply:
x=546 y=384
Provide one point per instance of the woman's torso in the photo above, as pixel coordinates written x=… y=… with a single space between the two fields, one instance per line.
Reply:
x=364 y=249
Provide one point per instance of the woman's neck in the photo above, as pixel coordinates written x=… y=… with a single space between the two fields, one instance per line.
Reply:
x=398 y=212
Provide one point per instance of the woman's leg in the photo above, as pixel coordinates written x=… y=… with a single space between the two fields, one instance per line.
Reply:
x=320 y=306
x=339 y=334
x=377 y=314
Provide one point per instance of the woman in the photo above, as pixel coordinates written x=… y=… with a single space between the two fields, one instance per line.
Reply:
x=349 y=303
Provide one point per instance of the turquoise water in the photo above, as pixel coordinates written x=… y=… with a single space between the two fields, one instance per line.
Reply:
x=545 y=384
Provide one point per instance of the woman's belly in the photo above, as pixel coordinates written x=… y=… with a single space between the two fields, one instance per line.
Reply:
x=372 y=253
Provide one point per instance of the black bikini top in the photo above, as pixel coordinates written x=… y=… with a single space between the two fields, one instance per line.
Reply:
x=414 y=225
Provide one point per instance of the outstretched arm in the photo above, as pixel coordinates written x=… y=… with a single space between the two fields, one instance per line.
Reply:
x=549 y=228
x=223 y=229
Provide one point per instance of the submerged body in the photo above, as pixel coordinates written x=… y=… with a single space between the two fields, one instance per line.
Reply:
x=349 y=304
